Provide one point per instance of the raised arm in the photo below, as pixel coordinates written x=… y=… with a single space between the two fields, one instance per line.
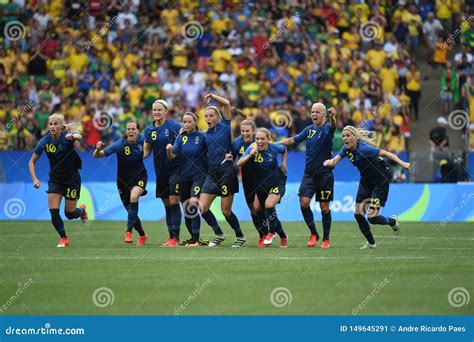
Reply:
x=31 y=166
x=287 y=141
x=394 y=158
x=73 y=136
x=284 y=157
x=331 y=115
x=226 y=108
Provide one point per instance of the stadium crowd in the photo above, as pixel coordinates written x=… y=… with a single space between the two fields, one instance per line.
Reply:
x=103 y=63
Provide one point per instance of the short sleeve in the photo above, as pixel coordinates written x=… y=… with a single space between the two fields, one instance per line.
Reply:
x=39 y=147
x=114 y=148
x=225 y=122
x=301 y=136
x=369 y=151
x=342 y=152
x=279 y=148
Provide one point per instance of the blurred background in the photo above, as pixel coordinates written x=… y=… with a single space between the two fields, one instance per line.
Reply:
x=402 y=69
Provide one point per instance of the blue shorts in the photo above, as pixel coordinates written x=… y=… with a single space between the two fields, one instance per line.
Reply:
x=320 y=184
x=192 y=188
x=377 y=193
x=70 y=190
x=167 y=185
x=125 y=187
x=221 y=182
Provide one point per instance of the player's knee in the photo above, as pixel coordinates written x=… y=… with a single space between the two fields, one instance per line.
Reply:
x=304 y=204
x=69 y=215
x=134 y=197
x=324 y=209
x=226 y=212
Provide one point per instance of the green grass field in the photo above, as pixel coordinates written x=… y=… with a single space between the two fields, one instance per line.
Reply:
x=406 y=275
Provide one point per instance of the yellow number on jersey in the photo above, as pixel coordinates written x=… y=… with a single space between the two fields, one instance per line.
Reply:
x=196 y=190
x=127 y=150
x=51 y=148
x=153 y=135
x=327 y=192
x=311 y=133
x=258 y=158
x=274 y=190
x=242 y=150
x=141 y=183
x=224 y=189
x=375 y=203
x=71 y=193
x=185 y=139
x=351 y=156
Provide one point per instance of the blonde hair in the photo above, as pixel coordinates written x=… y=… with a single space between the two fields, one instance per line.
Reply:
x=161 y=102
x=68 y=127
x=215 y=109
x=249 y=122
x=264 y=131
x=360 y=134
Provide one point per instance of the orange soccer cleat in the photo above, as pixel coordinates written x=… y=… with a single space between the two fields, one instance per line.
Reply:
x=313 y=240
x=141 y=240
x=84 y=216
x=193 y=244
x=284 y=242
x=325 y=244
x=171 y=242
x=63 y=242
x=128 y=237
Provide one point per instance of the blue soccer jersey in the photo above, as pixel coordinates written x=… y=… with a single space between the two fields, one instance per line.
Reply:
x=159 y=137
x=366 y=158
x=64 y=162
x=265 y=164
x=191 y=150
x=219 y=143
x=129 y=157
x=239 y=146
x=318 y=147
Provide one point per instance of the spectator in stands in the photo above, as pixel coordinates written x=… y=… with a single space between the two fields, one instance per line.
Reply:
x=439 y=139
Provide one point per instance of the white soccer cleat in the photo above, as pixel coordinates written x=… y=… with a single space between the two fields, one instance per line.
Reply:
x=217 y=241
x=396 y=226
x=368 y=245
x=269 y=239
x=239 y=242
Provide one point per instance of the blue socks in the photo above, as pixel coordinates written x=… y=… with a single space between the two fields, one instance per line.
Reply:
x=168 y=220
x=309 y=219
x=382 y=220
x=212 y=222
x=71 y=215
x=133 y=220
x=195 y=228
x=258 y=222
x=175 y=220
x=326 y=218
x=233 y=221
x=57 y=222
x=364 y=228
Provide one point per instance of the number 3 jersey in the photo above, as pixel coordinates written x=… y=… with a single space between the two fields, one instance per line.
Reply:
x=64 y=162
x=129 y=158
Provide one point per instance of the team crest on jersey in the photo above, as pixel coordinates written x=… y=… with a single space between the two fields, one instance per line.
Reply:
x=196 y=140
x=270 y=158
x=167 y=133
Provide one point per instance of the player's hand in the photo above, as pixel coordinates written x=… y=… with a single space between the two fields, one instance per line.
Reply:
x=182 y=130
x=169 y=147
x=331 y=111
x=283 y=169
x=328 y=163
x=406 y=166
x=100 y=145
x=208 y=97
x=36 y=183
x=229 y=156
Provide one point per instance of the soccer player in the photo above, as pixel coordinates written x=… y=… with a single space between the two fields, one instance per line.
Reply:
x=264 y=157
x=158 y=135
x=131 y=176
x=221 y=179
x=190 y=147
x=374 y=179
x=239 y=146
x=317 y=180
x=64 y=178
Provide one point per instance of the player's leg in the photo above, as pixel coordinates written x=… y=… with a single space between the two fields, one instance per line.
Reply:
x=270 y=203
x=189 y=209
x=324 y=195
x=133 y=219
x=124 y=192
x=363 y=195
x=175 y=211
x=380 y=195
x=208 y=195
x=54 y=201
x=306 y=192
x=228 y=186
x=258 y=217
x=195 y=220
x=71 y=195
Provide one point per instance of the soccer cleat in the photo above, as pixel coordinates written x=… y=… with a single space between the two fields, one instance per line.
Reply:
x=269 y=239
x=368 y=245
x=239 y=242
x=84 y=216
x=396 y=226
x=166 y=243
x=128 y=237
x=313 y=240
x=174 y=242
x=217 y=240
x=284 y=242
x=325 y=244
x=185 y=242
x=141 y=240
x=193 y=244
x=260 y=243
x=63 y=242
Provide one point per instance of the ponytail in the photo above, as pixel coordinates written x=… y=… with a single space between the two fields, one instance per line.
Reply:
x=73 y=126
x=361 y=134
